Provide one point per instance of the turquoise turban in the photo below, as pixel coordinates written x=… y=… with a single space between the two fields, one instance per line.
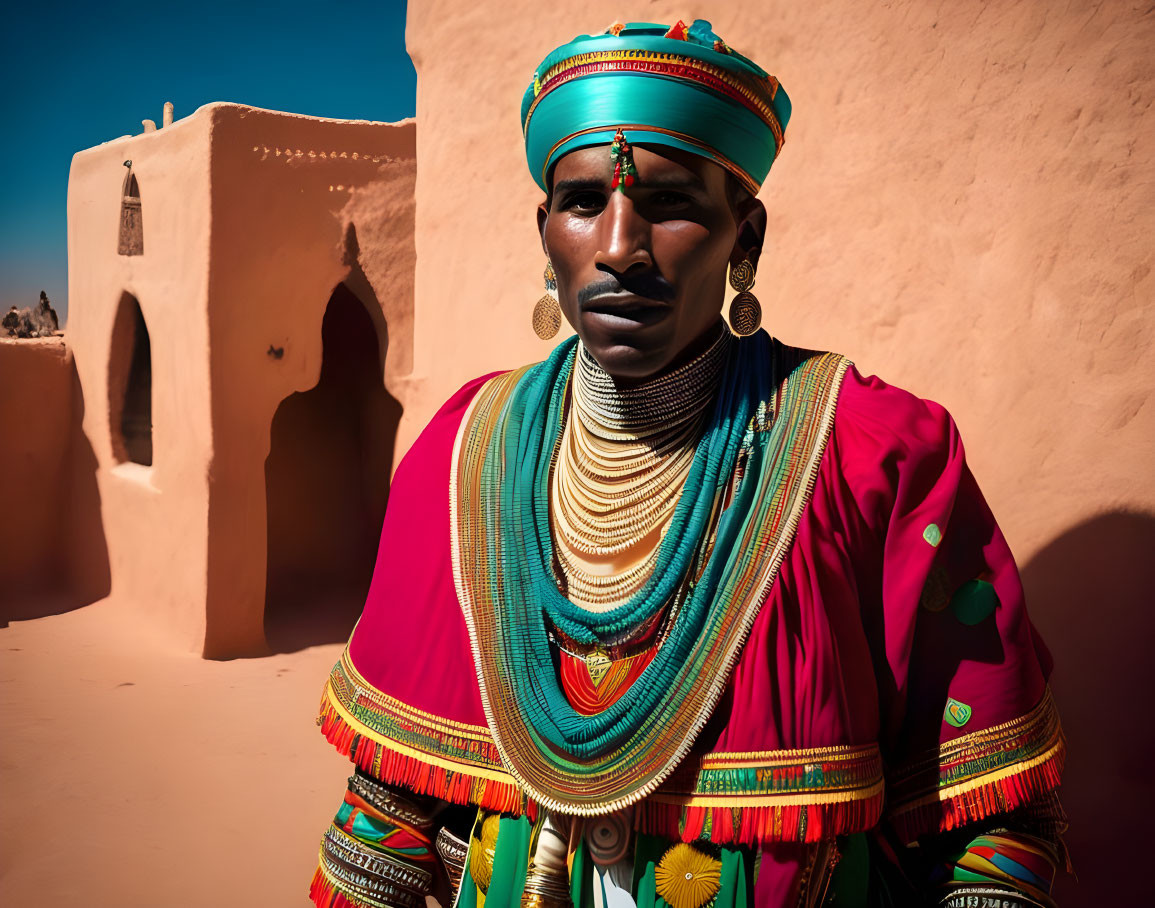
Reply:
x=682 y=87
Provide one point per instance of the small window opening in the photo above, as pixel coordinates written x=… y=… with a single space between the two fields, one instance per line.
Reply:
x=131 y=241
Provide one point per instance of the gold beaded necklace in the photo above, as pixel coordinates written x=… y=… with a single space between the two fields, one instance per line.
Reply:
x=621 y=464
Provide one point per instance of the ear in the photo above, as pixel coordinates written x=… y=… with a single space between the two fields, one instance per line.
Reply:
x=751 y=218
x=542 y=217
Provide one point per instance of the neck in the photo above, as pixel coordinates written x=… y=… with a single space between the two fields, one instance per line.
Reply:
x=690 y=352
x=632 y=412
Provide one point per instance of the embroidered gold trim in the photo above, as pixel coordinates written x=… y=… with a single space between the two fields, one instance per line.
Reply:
x=787 y=777
x=981 y=758
x=363 y=689
x=408 y=731
x=556 y=76
x=816 y=775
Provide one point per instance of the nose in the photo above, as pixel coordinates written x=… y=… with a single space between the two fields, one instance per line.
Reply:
x=624 y=242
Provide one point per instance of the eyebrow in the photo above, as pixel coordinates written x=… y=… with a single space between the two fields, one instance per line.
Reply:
x=587 y=183
x=677 y=181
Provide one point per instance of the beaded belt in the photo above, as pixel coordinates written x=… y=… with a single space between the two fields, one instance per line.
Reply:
x=988 y=897
x=453 y=853
x=372 y=874
x=388 y=802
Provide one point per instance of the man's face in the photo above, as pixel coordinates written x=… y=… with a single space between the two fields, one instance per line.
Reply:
x=641 y=273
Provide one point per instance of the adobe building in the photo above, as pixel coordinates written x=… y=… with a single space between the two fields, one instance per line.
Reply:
x=241 y=319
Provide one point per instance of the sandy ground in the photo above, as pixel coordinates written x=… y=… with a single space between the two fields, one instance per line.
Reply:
x=134 y=775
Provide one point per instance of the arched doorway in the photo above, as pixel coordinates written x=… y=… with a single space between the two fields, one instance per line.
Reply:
x=326 y=483
x=130 y=385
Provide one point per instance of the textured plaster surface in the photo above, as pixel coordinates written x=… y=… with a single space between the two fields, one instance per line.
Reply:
x=964 y=206
x=154 y=518
x=36 y=410
x=113 y=723
x=298 y=206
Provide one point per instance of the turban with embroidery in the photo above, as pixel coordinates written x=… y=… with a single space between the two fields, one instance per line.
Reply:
x=682 y=87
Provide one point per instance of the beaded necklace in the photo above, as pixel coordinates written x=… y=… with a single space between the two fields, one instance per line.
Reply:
x=622 y=462
x=748 y=481
x=524 y=555
x=537 y=411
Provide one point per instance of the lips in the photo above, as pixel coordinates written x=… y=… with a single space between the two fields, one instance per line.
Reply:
x=625 y=309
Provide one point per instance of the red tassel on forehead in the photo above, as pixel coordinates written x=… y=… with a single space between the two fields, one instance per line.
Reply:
x=622 y=156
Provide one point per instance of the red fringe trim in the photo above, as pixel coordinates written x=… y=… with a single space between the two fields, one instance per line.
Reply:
x=988 y=799
x=418 y=776
x=755 y=825
x=325 y=895
x=722 y=825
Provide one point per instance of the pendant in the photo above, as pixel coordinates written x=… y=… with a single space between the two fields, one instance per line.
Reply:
x=597 y=664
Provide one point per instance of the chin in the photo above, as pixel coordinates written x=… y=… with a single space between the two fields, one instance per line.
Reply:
x=629 y=361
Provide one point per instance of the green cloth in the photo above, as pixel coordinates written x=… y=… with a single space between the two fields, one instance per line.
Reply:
x=510 y=864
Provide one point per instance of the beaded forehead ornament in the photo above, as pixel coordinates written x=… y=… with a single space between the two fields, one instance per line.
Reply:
x=622 y=156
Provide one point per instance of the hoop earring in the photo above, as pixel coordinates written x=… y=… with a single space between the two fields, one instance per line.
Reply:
x=547 y=312
x=745 y=310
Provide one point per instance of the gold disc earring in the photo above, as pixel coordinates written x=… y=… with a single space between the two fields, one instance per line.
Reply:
x=745 y=310
x=547 y=312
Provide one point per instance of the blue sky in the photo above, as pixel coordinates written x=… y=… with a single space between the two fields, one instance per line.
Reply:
x=80 y=73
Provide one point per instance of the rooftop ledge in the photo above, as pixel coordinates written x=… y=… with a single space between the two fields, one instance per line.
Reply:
x=214 y=109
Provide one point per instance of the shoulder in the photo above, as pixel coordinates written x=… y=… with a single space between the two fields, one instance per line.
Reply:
x=450 y=413
x=888 y=446
x=435 y=443
x=879 y=418
x=874 y=422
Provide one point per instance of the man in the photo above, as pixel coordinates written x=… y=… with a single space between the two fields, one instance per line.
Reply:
x=677 y=617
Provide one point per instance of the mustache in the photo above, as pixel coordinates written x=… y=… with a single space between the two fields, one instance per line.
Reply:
x=649 y=284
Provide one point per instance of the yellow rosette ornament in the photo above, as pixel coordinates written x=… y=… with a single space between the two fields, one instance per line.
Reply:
x=687 y=877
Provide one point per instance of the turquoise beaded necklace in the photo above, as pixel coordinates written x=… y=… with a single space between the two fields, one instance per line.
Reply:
x=524 y=590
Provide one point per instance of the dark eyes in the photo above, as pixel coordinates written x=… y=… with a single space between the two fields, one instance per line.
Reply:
x=670 y=199
x=590 y=202
x=584 y=202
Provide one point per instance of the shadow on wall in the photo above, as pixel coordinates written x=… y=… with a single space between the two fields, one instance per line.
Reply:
x=1091 y=595
x=326 y=484
x=79 y=574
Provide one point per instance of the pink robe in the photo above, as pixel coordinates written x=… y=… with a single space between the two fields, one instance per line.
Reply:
x=862 y=643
